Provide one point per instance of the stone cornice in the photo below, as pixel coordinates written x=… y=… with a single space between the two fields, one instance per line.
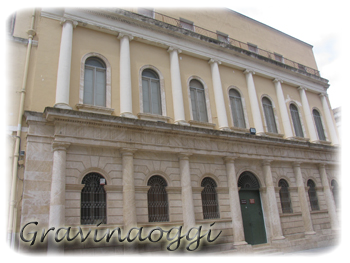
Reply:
x=90 y=129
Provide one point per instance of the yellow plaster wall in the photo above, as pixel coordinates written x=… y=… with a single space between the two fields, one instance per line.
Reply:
x=245 y=29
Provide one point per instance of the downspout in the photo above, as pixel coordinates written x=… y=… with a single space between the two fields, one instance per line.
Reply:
x=12 y=217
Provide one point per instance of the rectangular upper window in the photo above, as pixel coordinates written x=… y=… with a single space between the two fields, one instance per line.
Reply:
x=7 y=15
x=253 y=48
x=146 y=12
x=187 y=24
x=222 y=37
x=278 y=57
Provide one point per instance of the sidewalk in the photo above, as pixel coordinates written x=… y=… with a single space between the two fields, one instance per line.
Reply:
x=340 y=253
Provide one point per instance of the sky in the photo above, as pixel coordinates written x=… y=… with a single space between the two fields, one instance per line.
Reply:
x=321 y=24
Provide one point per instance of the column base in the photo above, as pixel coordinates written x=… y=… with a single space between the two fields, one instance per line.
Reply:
x=128 y=115
x=278 y=238
x=240 y=243
x=310 y=233
x=182 y=122
x=62 y=106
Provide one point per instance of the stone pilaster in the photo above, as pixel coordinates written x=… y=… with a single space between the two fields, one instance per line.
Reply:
x=236 y=214
x=218 y=94
x=125 y=76
x=64 y=65
x=329 y=197
x=176 y=87
x=254 y=103
x=329 y=119
x=186 y=194
x=305 y=211
x=308 y=115
x=129 y=203
x=288 y=133
x=58 y=193
x=274 y=217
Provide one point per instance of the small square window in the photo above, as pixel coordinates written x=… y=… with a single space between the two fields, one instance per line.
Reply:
x=186 y=24
x=252 y=48
x=146 y=12
x=222 y=37
x=8 y=21
x=278 y=57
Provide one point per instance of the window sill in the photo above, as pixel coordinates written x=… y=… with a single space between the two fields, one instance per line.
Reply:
x=94 y=109
x=302 y=139
x=322 y=142
x=153 y=117
x=200 y=124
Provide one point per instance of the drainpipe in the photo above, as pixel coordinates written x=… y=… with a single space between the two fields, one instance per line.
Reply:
x=12 y=217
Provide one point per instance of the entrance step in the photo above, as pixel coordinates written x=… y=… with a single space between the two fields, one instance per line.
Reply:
x=265 y=250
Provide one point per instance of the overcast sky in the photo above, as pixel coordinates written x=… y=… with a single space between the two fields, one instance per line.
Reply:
x=322 y=24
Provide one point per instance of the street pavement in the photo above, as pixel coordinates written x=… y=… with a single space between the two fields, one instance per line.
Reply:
x=340 y=253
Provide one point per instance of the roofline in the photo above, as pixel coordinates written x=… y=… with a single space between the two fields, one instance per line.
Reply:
x=268 y=26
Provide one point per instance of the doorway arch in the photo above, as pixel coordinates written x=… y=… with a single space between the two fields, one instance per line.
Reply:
x=251 y=209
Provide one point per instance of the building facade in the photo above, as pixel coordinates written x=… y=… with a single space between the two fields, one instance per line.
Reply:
x=164 y=118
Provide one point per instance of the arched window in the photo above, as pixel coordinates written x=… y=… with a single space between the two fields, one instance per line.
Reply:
x=157 y=198
x=93 y=200
x=296 y=120
x=285 y=197
x=269 y=115
x=313 y=195
x=237 y=109
x=209 y=199
x=151 y=92
x=319 y=126
x=95 y=82
x=199 y=108
x=335 y=192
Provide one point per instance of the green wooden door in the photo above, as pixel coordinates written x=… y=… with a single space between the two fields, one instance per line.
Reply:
x=253 y=220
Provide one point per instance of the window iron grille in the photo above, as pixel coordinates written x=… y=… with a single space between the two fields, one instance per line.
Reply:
x=157 y=197
x=285 y=197
x=248 y=181
x=313 y=195
x=93 y=200
x=209 y=199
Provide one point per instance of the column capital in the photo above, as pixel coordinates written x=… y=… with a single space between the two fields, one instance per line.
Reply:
x=60 y=146
x=322 y=94
x=230 y=159
x=247 y=71
x=172 y=48
x=277 y=80
x=127 y=151
x=321 y=165
x=122 y=34
x=302 y=88
x=296 y=164
x=267 y=162
x=214 y=60
x=184 y=156
x=66 y=20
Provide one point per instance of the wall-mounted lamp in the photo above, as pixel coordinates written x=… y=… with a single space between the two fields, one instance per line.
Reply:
x=252 y=131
